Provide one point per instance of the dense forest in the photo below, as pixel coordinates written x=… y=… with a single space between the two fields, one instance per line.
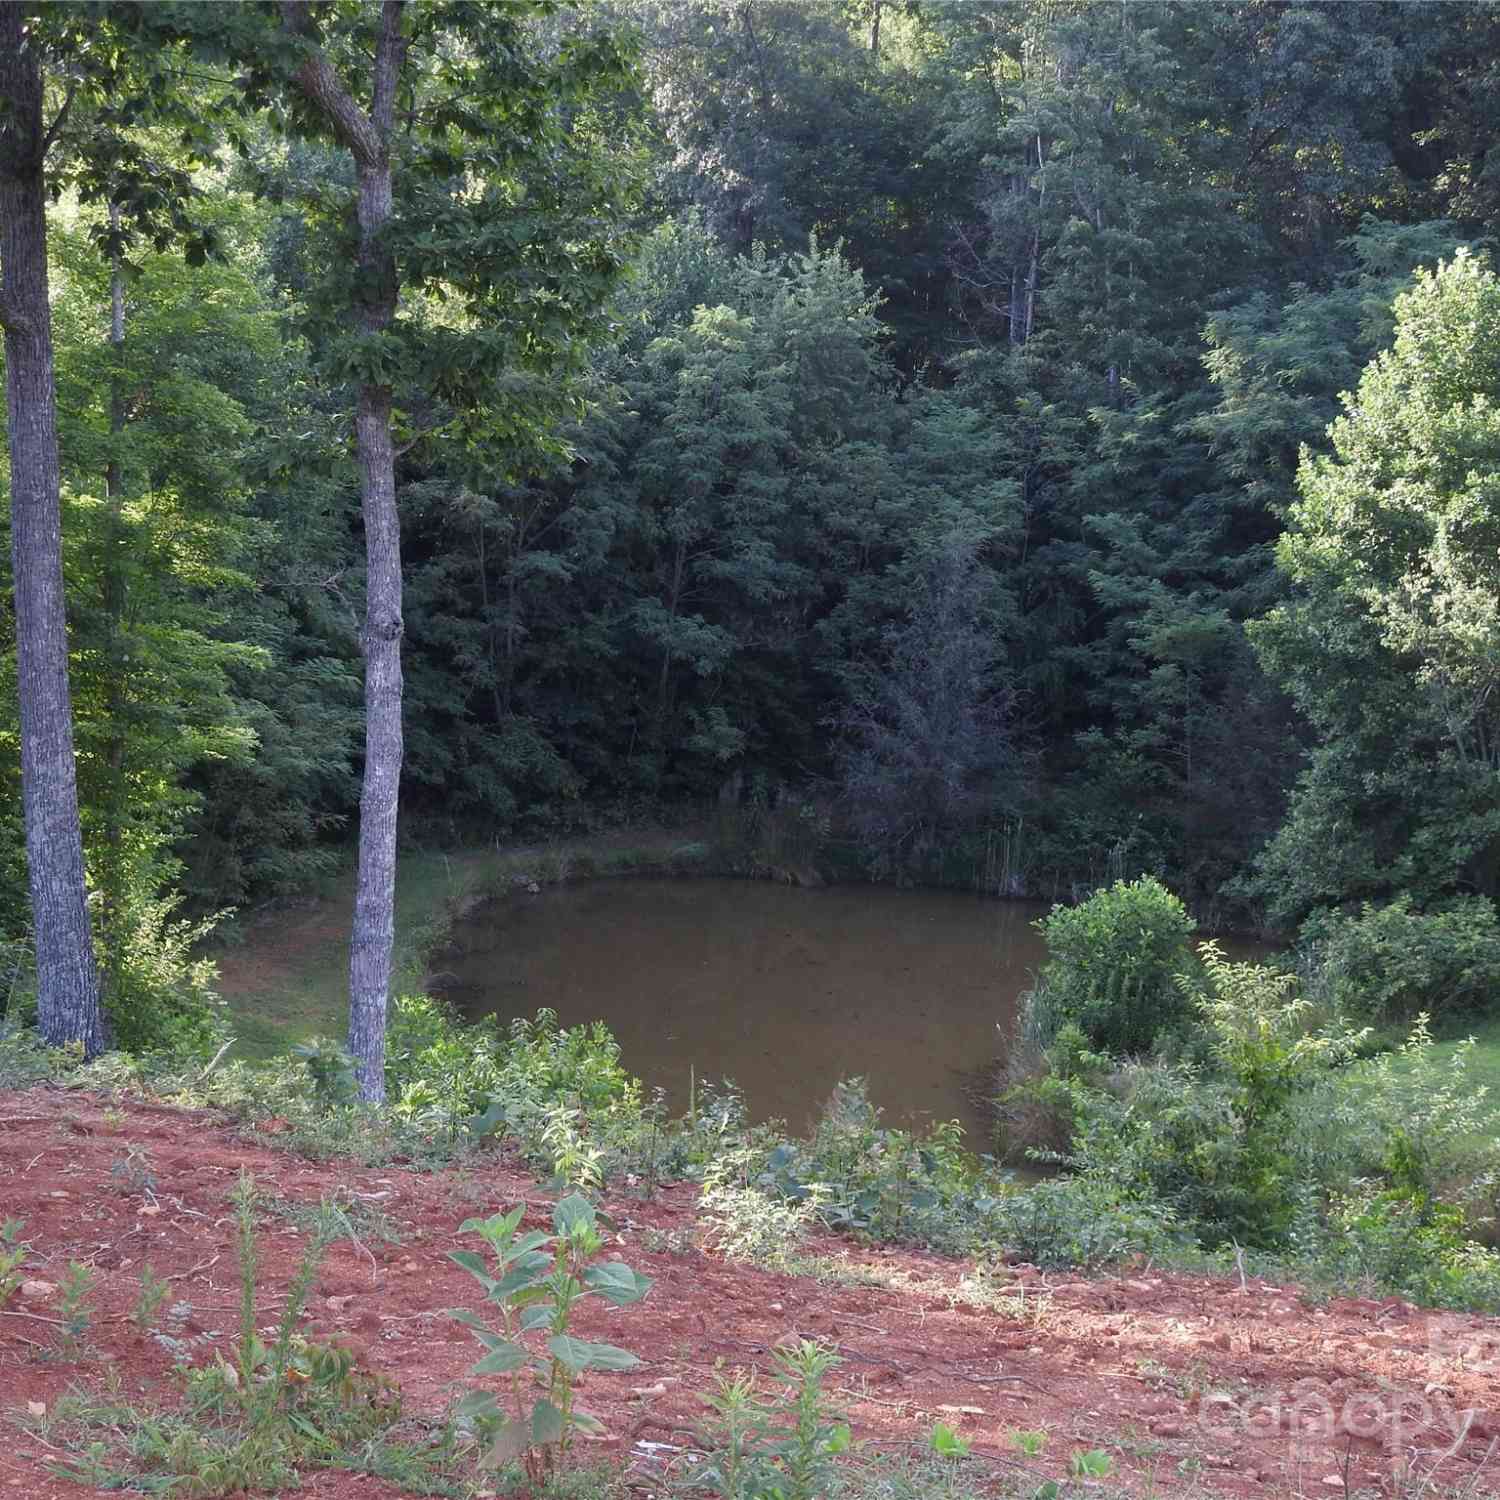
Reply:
x=1042 y=441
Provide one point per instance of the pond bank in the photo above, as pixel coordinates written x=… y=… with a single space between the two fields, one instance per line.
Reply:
x=285 y=979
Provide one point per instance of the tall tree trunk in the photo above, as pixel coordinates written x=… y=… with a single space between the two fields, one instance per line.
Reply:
x=67 y=982
x=368 y=139
x=109 y=848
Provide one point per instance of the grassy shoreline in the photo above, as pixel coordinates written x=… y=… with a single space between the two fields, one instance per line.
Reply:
x=284 y=979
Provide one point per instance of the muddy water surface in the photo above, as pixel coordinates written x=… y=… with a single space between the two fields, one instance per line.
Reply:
x=784 y=990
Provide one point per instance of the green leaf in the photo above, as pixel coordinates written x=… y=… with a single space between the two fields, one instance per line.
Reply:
x=546 y=1423
x=586 y=1421
x=527 y=1243
x=947 y=1443
x=473 y=1321
x=573 y=1210
x=522 y=1275
x=580 y=1354
x=508 y=1444
x=475 y=1266
x=1094 y=1463
x=503 y=1358
x=616 y=1282
x=478 y=1404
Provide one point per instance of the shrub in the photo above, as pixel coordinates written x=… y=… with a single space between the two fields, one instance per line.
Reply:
x=1397 y=1242
x=1083 y=1221
x=1114 y=963
x=1389 y=964
x=1038 y=1113
x=159 y=999
x=1411 y=1120
x=887 y=1184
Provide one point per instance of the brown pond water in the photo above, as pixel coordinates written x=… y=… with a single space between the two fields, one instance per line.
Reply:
x=784 y=990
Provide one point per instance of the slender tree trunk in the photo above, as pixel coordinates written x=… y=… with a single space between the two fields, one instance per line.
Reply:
x=67 y=982
x=110 y=845
x=368 y=139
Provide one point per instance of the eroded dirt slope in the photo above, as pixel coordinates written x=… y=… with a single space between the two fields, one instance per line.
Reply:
x=1187 y=1381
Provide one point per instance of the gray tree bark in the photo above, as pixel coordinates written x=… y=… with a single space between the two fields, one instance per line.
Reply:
x=68 y=1009
x=367 y=137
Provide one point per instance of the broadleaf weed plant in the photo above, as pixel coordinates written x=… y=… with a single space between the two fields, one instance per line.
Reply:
x=540 y=1280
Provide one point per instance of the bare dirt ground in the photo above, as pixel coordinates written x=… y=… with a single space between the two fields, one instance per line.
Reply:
x=1188 y=1382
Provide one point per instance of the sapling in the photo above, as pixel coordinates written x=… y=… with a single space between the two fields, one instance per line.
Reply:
x=13 y=1254
x=541 y=1279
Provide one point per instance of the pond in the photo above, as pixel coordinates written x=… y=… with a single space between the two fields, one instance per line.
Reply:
x=783 y=989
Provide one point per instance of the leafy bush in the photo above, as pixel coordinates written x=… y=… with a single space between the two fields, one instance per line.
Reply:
x=886 y=1184
x=159 y=999
x=746 y=1222
x=25 y=1058
x=1115 y=962
x=1038 y=1113
x=1409 y=1120
x=1082 y=1221
x=1398 y=1242
x=1214 y=1143
x=1388 y=964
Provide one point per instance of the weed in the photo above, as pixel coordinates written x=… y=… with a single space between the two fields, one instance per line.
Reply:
x=781 y=1448
x=946 y=1442
x=1028 y=1442
x=1090 y=1463
x=13 y=1253
x=73 y=1305
x=133 y=1173
x=743 y=1221
x=344 y=1215
x=576 y=1161
x=541 y=1280
x=251 y=1419
x=149 y=1300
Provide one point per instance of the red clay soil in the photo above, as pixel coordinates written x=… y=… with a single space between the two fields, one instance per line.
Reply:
x=1187 y=1381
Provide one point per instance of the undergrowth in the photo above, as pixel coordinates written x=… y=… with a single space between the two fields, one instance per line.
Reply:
x=251 y=1419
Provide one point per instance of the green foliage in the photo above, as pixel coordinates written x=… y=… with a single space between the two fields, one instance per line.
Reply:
x=779 y=1448
x=540 y=1279
x=1393 y=1241
x=886 y=1184
x=1115 y=963
x=1411 y=1120
x=150 y=1300
x=1084 y=1221
x=1387 y=645
x=77 y=1315
x=746 y=1222
x=13 y=1253
x=1386 y=965
x=332 y=1072
x=160 y=999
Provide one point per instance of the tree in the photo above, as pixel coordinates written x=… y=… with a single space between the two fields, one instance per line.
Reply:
x=928 y=750
x=484 y=239
x=1390 y=643
x=67 y=982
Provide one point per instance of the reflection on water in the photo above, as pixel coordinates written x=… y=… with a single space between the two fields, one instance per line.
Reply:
x=785 y=990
